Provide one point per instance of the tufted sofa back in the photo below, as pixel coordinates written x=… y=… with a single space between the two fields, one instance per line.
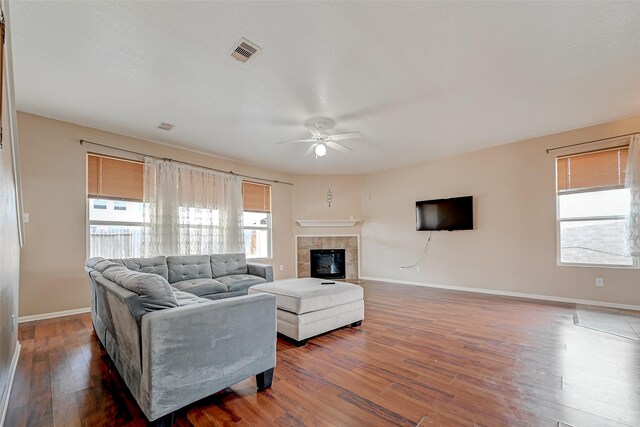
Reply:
x=188 y=267
x=226 y=264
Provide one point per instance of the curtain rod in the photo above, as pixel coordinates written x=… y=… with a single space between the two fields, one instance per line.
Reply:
x=275 y=181
x=590 y=142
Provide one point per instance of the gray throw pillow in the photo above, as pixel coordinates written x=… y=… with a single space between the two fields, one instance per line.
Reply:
x=154 y=291
x=101 y=264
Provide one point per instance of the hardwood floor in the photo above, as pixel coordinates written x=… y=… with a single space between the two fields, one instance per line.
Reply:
x=422 y=357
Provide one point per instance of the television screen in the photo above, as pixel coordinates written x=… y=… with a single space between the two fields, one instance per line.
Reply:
x=445 y=214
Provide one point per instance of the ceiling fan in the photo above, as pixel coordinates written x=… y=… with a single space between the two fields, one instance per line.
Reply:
x=322 y=140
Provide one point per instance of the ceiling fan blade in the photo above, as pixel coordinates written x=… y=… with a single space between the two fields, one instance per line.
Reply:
x=339 y=147
x=295 y=140
x=348 y=135
x=311 y=149
x=314 y=130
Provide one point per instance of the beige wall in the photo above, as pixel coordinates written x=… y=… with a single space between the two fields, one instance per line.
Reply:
x=54 y=183
x=310 y=201
x=513 y=245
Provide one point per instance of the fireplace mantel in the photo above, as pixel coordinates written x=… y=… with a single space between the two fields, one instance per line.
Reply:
x=327 y=222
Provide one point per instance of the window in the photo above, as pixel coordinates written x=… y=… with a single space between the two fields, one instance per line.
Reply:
x=115 y=232
x=114 y=188
x=257 y=219
x=592 y=208
x=115 y=191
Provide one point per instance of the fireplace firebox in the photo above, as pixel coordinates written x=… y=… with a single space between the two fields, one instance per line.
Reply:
x=328 y=263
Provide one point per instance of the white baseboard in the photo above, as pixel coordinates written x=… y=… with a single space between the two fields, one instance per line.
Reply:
x=508 y=294
x=43 y=316
x=4 y=399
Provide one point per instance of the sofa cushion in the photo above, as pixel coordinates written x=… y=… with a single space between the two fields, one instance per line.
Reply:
x=155 y=292
x=200 y=287
x=226 y=264
x=156 y=265
x=240 y=282
x=185 y=298
x=224 y=295
x=188 y=267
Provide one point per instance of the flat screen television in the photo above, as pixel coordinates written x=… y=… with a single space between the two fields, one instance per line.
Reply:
x=445 y=214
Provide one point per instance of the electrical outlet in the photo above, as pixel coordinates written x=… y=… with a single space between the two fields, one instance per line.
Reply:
x=25 y=218
x=418 y=269
x=281 y=267
x=599 y=281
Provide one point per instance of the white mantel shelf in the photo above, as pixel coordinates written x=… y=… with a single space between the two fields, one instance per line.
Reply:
x=327 y=222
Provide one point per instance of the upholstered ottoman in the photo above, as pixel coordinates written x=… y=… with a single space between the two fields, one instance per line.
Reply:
x=307 y=308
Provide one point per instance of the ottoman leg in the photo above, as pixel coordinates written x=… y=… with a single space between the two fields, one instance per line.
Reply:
x=358 y=323
x=300 y=343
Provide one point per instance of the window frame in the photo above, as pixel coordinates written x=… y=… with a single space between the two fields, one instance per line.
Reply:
x=268 y=210
x=635 y=264
x=90 y=222
x=269 y=230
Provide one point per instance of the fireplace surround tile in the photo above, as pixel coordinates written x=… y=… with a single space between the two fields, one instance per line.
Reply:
x=352 y=270
x=304 y=244
x=303 y=255
x=304 y=269
x=338 y=243
x=351 y=255
x=351 y=244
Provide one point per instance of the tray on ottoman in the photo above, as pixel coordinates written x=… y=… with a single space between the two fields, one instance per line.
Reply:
x=307 y=308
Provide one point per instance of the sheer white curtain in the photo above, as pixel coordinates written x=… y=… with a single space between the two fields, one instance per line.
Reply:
x=633 y=184
x=189 y=210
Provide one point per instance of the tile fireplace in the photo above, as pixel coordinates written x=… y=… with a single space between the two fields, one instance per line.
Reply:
x=349 y=244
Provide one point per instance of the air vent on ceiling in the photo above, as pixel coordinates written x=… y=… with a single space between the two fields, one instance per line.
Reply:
x=165 y=126
x=244 y=50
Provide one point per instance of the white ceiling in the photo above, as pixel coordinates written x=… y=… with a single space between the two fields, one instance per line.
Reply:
x=419 y=80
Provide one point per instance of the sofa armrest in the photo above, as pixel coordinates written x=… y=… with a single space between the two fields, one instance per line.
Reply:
x=263 y=270
x=194 y=351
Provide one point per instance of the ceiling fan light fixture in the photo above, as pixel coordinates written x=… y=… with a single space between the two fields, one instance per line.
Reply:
x=322 y=141
x=321 y=150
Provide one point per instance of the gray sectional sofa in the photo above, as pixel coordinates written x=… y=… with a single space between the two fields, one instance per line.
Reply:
x=173 y=331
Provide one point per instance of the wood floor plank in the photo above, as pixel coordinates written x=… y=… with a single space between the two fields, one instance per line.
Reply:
x=422 y=356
